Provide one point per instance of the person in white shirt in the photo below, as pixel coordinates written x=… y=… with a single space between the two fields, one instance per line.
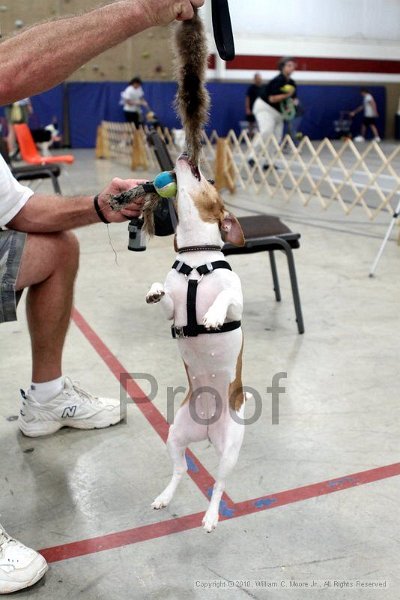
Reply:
x=18 y=112
x=370 y=116
x=37 y=249
x=132 y=99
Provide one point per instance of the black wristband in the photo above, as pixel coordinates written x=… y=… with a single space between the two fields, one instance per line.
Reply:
x=98 y=210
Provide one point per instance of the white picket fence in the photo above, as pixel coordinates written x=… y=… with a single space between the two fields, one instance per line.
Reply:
x=329 y=172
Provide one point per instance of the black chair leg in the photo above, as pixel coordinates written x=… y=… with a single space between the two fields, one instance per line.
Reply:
x=295 y=288
x=275 y=277
x=55 y=183
x=293 y=280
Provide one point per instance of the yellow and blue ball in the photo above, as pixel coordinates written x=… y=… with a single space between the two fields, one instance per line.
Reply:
x=165 y=184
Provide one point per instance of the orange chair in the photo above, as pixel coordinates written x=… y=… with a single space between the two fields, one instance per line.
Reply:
x=30 y=153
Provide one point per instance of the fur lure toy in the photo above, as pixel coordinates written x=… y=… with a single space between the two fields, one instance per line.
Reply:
x=192 y=104
x=192 y=100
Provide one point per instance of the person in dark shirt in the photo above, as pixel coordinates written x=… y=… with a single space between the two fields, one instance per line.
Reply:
x=253 y=92
x=277 y=101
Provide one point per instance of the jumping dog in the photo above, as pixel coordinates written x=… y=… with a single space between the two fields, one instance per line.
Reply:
x=203 y=298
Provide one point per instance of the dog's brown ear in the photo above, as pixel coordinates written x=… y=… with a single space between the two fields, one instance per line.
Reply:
x=231 y=230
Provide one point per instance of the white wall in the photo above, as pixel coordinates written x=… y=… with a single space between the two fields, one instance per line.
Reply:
x=342 y=19
x=360 y=29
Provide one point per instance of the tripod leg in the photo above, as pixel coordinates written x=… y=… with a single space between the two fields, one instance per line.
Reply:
x=385 y=241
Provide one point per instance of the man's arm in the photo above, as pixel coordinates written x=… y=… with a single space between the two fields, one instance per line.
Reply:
x=44 y=55
x=273 y=92
x=356 y=110
x=279 y=97
x=49 y=214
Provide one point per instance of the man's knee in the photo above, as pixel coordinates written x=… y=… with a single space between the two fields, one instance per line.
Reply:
x=47 y=254
x=67 y=247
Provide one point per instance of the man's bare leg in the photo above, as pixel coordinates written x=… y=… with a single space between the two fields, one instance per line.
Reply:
x=375 y=131
x=48 y=268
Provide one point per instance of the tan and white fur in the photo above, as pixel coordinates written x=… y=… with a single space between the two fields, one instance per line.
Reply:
x=212 y=361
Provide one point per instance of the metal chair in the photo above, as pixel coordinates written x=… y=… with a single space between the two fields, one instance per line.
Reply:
x=32 y=172
x=265 y=233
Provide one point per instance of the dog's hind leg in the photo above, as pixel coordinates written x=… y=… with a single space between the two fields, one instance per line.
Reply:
x=226 y=465
x=229 y=451
x=177 y=454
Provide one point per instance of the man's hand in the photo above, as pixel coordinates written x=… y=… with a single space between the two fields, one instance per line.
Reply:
x=130 y=210
x=163 y=12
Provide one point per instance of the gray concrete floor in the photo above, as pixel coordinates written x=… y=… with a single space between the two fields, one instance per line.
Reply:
x=339 y=415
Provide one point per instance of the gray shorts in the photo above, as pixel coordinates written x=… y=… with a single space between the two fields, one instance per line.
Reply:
x=11 y=248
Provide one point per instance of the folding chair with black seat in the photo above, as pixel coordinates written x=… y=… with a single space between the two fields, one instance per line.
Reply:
x=32 y=172
x=266 y=233
x=263 y=233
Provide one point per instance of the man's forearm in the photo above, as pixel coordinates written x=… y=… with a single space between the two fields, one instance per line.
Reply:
x=49 y=214
x=278 y=98
x=46 y=54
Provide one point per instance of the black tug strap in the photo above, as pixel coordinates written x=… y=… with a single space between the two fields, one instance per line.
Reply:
x=223 y=29
x=192 y=329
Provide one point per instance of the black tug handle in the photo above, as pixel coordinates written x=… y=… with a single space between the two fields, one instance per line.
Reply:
x=223 y=29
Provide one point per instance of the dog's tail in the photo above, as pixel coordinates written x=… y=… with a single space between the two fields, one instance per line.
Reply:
x=192 y=100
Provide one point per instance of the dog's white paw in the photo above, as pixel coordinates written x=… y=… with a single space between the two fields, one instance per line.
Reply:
x=155 y=293
x=210 y=520
x=161 y=501
x=214 y=318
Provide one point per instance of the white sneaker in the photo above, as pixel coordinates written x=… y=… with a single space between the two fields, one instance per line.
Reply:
x=72 y=407
x=377 y=139
x=359 y=138
x=20 y=567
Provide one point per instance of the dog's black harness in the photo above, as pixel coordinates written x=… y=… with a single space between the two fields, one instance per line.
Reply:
x=192 y=329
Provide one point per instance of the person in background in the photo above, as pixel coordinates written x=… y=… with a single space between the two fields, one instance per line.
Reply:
x=370 y=116
x=253 y=92
x=276 y=103
x=18 y=112
x=132 y=100
x=276 y=100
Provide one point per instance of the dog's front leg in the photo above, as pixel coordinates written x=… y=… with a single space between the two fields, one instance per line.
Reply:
x=157 y=293
x=227 y=305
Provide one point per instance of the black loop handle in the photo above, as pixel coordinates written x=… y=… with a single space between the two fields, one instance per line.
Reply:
x=223 y=29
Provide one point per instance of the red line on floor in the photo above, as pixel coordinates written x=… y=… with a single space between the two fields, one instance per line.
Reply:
x=122 y=538
x=198 y=473
x=316 y=489
x=180 y=524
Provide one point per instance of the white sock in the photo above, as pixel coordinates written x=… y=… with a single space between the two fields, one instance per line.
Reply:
x=43 y=392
